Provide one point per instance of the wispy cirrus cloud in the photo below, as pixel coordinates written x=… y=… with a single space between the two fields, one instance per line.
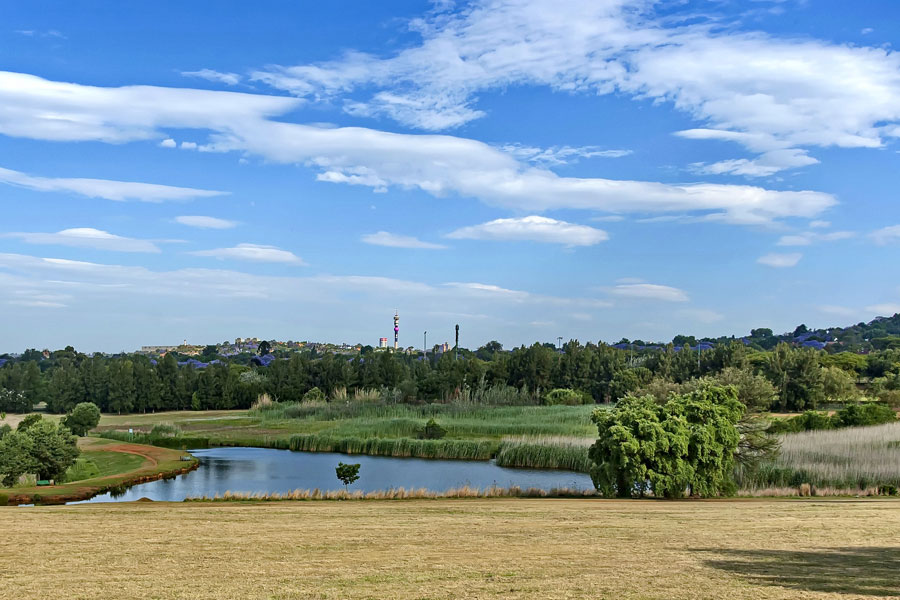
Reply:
x=649 y=291
x=560 y=155
x=533 y=229
x=253 y=253
x=789 y=94
x=886 y=235
x=393 y=240
x=104 y=188
x=437 y=164
x=204 y=222
x=214 y=76
x=811 y=237
x=87 y=237
x=777 y=260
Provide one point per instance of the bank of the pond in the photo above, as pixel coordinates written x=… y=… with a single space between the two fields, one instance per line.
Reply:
x=157 y=463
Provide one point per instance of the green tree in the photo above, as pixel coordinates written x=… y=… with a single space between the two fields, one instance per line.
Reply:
x=84 y=417
x=688 y=444
x=16 y=459
x=347 y=474
x=54 y=448
x=121 y=386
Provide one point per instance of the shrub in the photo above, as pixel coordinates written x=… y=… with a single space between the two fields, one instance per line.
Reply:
x=165 y=431
x=4 y=499
x=81 y=470
x=811 y=420
x=314 y=396
x=432 y=431
x=566 y=397
x=858 y=415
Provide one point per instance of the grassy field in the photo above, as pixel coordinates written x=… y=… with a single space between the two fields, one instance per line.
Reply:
x=837 y=549
x=525 y=436
x=119 y=464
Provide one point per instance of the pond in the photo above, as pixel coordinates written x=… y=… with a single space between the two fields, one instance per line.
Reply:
x=278 y=471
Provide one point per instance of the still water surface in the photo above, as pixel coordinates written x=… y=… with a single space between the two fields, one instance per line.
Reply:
x=267 y=470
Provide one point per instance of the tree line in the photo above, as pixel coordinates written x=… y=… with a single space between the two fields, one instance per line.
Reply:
x=786 y=378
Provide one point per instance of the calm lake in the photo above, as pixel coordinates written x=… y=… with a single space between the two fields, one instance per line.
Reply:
x=267 y=470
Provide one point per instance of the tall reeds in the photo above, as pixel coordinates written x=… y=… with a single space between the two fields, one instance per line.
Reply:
x=545 y=452
x=851 y=458
x=396 y=494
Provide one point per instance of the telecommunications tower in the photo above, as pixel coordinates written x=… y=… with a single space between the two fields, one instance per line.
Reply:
x=396 y=330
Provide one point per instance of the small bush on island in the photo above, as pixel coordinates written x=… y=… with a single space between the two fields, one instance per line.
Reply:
x=347 y=473
x=432 y=431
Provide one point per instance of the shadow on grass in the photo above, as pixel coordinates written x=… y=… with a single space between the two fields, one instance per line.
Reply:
x=858 y=571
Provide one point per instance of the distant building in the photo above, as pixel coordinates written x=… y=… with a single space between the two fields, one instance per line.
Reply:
x=157 y=349
x=382 y=342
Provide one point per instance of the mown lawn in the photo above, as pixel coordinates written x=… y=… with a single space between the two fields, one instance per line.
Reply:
x=499 y=548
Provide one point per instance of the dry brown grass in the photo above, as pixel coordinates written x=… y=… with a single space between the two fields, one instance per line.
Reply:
x=497 y=548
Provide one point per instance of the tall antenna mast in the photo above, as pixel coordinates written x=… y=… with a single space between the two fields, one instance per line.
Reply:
x=396 y=330
x=457 y=341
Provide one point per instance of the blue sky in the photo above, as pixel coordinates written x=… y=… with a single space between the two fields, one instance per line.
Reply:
x=527 y=169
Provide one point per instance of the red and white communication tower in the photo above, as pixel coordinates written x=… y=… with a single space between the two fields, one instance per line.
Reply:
x=396 y=330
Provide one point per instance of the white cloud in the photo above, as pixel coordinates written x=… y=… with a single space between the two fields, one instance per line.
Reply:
x=650 y=291
x=819 y=224
x=787 y=94
x=35 y=278
x=392 y=240
x=104 y=188
x=884 y=310
x=764 y=165
x=168 y=143
x=37 y=108
x=809 y=237
x=780 y=260
x=533 y=228
x=216 y=76
x=886 y=235
x=253 y=253
x=560 y=155
x=188 y=145
x=202 y=222
x=439 y=165
x=608 y=219
x=87 y=237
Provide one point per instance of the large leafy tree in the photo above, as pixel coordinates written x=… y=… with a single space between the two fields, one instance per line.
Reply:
x=54 y=449
x=687 y=445
x=84 y=417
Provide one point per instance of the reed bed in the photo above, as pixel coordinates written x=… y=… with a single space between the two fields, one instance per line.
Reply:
x=378 y=419
x=808 y=490
x=857 y=458
x=396 y=494
x=545 y=452
x=399 y=447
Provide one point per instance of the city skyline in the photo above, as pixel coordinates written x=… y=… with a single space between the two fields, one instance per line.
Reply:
x=530 y=170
